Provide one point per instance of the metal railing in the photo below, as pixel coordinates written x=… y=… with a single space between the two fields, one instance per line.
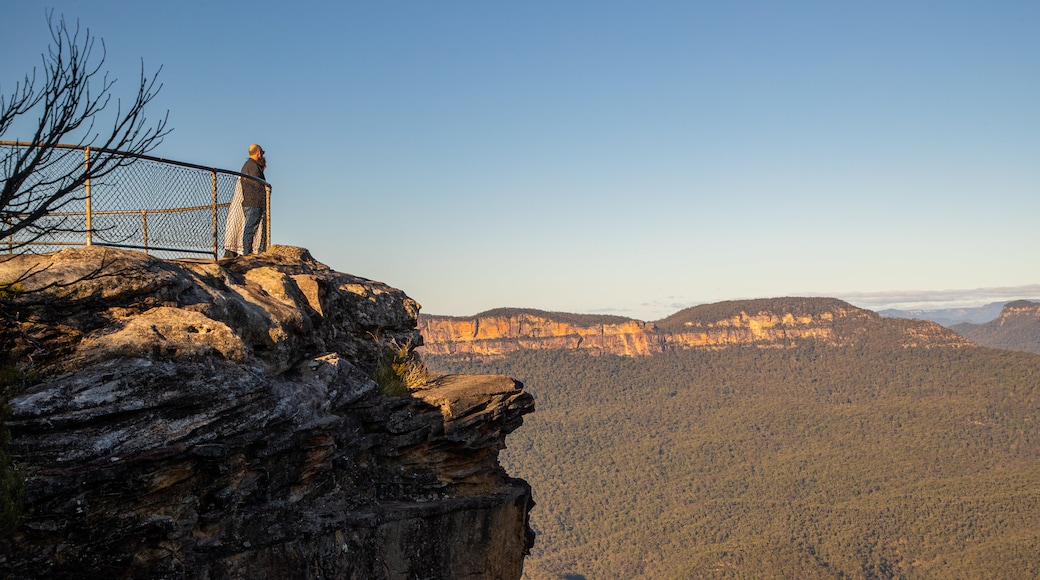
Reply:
x=166 y=208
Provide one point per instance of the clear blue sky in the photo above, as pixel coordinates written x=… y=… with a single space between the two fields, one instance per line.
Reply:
x=605 y=156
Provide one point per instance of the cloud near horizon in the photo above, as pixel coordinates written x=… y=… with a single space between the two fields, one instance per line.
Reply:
x=938 y=299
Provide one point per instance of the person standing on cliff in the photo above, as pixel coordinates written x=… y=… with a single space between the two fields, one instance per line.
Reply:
x=254 y=196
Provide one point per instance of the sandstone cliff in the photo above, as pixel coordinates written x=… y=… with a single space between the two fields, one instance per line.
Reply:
x=765 y=323
x=499 y=332
x=220 y=421
x=1017 y=328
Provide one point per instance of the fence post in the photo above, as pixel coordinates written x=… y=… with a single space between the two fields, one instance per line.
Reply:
x=216 y=254
x=86 y=193
x=144 y=229
x=267 y=220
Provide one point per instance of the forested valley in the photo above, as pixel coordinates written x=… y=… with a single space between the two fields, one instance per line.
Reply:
x=863 y=461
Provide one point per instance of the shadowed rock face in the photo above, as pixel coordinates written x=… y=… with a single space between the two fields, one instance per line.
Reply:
x=220 y=421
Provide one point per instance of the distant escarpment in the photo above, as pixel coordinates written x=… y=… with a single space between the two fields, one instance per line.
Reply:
x=201 y=420
x=949 y=317
x=764 y=323
x=1017 y=328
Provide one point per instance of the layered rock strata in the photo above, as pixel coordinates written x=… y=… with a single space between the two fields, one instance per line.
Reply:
x=499 y=333
x=221 y=421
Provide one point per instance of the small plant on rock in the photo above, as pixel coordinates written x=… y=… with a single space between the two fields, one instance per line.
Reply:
x=10 y=289
x=400 y=371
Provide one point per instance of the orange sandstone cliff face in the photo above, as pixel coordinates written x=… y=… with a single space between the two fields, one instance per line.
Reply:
x=767 y=323
x=762 y=329
x=1019 y=311
x=501 y=333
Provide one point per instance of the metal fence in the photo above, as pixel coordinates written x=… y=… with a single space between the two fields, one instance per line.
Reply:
x=166 y=208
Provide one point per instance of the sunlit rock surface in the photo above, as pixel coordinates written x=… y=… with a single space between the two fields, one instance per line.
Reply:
x=205 y=420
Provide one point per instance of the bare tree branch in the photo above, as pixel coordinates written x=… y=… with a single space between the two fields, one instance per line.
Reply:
x=37 y=177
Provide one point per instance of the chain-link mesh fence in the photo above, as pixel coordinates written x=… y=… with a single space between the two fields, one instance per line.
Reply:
x=167 y=208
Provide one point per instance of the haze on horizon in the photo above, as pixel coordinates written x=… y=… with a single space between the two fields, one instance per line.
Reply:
x=622 y=157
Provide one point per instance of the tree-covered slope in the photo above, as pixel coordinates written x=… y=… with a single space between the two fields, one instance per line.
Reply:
x=866 y=461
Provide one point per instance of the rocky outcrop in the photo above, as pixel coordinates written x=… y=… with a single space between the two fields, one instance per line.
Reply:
x=766 y=323
x=199 y=420
x=1017 y=328
x=1018 y=311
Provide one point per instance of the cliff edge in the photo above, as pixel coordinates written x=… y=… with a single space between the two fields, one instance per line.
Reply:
x=221 y=421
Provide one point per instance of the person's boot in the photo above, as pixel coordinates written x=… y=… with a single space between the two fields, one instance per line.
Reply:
x=229 y=254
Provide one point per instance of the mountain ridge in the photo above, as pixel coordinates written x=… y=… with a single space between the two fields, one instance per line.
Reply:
x=766 y=323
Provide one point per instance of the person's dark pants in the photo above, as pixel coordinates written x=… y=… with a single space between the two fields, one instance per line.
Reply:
x=253 y=215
